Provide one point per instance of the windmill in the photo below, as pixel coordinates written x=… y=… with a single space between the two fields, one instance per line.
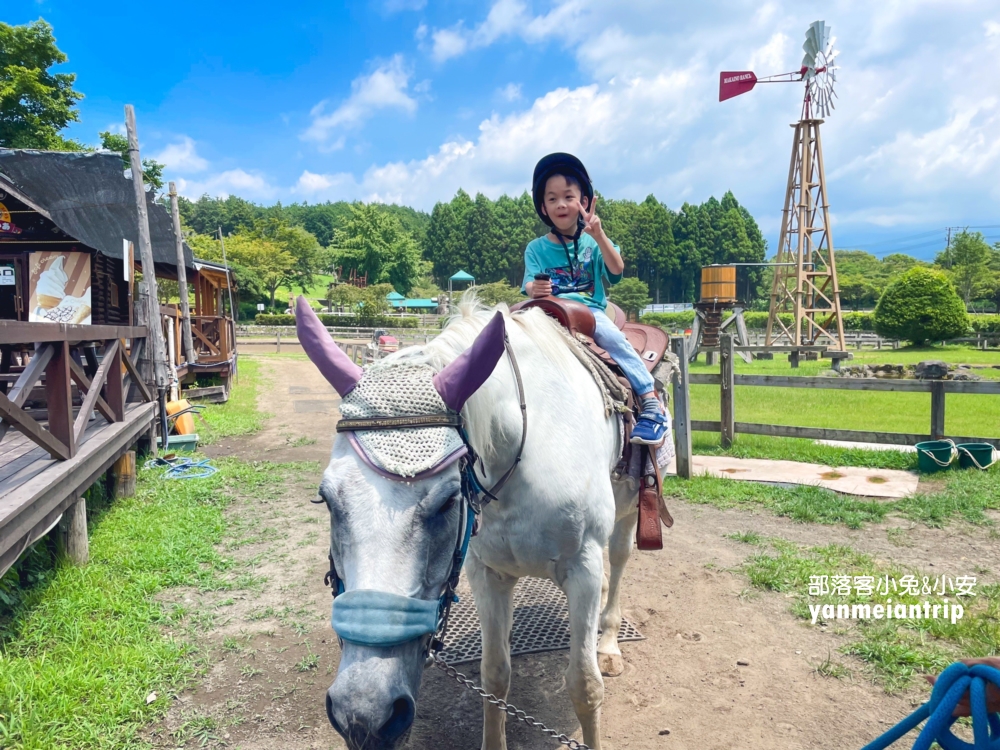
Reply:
x=805 y=271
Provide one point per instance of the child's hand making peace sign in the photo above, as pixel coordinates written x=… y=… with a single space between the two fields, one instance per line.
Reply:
x=592 y=222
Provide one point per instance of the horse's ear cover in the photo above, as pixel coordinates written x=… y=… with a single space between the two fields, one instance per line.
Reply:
x=317 y=343
x=463 y=377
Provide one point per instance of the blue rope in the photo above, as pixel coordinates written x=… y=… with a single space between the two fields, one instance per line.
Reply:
x=183 y=468
x=951 y=685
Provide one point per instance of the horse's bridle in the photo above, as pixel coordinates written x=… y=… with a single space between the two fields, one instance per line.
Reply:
x=415 y=618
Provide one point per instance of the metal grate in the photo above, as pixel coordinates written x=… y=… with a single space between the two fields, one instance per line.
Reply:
x=541 y=622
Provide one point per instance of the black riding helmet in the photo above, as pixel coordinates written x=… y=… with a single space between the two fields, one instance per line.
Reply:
x=566 y=165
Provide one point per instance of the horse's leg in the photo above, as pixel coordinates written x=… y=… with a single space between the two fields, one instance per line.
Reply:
x=583 y=678
x=609 y=656
x=494 y=594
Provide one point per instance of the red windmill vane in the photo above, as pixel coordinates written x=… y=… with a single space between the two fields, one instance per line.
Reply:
x=805 y=273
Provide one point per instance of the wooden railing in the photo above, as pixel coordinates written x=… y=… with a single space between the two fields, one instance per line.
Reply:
x=67 y=354
x=214 y=336
x=728 y=427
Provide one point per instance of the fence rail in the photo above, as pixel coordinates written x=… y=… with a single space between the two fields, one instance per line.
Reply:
x=728 y=427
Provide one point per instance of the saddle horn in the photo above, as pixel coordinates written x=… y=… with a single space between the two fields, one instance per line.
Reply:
x=331 y=361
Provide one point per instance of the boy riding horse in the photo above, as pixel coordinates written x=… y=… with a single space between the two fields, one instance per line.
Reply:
x=564 y=200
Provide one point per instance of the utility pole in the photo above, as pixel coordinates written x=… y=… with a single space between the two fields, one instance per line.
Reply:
x=156 y=349
x=190 y=353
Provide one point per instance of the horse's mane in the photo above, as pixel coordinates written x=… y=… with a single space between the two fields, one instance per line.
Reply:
x=459 y=333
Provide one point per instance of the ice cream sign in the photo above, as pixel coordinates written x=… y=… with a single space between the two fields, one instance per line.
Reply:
x=6 y=225
x=59 y=287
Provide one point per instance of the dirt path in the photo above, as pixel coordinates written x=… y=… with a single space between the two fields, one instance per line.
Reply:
x=270 y=653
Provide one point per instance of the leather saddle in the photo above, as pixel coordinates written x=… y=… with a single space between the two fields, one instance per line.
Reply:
x=651 y=344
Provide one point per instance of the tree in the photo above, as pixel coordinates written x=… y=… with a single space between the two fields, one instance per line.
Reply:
x=967 y=262
x=374 y=244
x=631 y=295
x=206 y=215
x=152 y=170
x=921 y=306
x=368 y=303
x=298 y=243
x=499 y=291
x=35 y=104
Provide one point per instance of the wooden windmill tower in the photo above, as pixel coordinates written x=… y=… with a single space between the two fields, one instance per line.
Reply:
x=805 y=271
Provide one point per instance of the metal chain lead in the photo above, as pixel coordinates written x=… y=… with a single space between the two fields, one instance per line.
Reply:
x=506 y=707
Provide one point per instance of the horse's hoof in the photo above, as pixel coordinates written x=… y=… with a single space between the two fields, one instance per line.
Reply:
x=611 y=665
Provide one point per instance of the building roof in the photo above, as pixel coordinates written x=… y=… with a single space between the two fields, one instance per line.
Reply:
x=414 y=303
x=392 y=296
x=462 y=276
x=88 y=196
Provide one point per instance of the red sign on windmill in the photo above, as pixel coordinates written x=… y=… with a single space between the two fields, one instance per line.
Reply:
x=734 y=83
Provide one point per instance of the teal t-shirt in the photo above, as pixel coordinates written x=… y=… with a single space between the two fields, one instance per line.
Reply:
x=586 y=271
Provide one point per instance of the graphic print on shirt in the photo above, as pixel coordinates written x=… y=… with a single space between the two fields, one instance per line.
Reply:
x=580 y=275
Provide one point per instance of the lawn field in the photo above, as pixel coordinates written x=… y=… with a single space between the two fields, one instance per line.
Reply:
x=317 y=291
x=966 y=415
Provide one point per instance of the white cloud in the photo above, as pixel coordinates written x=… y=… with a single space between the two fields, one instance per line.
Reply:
x=182 y=157
x=230 y=182
x=511 y=92
x=448 y=43
x=385 y=88
x=772 y=58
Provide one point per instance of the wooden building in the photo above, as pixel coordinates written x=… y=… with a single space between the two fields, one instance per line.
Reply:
x=68 y=239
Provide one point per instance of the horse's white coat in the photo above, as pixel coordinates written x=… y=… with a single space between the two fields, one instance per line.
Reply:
x=553 y=519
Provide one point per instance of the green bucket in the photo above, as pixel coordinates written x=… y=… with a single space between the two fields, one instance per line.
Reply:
x=978 y=455
x=934 y=455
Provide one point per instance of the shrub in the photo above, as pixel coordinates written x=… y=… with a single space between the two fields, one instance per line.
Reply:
x=985 y=323
x=921 y=305
x=669 y=321
x=338 y=321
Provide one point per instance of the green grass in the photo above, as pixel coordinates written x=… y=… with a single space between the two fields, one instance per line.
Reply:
x=317 y=291
x=80 y=652
x=239 y=415
x=797 y=449
x=895 y=650
x=966 y=495
x=965 y=414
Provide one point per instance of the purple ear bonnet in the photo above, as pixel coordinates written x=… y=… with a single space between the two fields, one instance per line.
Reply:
x=465 y=375
x=317 y=343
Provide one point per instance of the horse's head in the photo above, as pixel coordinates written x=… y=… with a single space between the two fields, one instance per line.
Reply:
x=399 y=522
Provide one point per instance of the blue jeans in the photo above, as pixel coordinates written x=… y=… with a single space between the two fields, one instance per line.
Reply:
x=613 y=341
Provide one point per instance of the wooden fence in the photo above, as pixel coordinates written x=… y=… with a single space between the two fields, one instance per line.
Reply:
x=50 y=454
x=728 y=427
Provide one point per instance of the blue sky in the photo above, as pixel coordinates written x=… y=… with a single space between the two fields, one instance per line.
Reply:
x=408 y=100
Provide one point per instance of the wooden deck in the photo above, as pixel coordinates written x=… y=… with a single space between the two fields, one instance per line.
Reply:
x=35 y=488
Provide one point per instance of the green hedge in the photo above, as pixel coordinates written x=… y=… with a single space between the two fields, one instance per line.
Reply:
x=339 y=321
x=985 y=323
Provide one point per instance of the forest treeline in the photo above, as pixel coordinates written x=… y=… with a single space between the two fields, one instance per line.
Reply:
x=486 y=238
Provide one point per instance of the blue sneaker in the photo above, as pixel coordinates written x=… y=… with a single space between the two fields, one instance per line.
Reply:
x=649 y=429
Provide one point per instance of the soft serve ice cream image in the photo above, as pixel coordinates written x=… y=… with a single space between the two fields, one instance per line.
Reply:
x=61 y=292
x=51 y=287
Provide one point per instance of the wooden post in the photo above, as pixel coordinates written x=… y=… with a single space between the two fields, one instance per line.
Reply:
x=59 y=396
x=189 y=351
x=682 y=411
x=728 y=430
x=156 y=346
x=123 y=476
x=277 y=343
x=793 y=359
x=75 y=525
x=937 y=410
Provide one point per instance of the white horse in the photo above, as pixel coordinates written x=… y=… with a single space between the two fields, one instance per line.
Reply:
x=396 y=539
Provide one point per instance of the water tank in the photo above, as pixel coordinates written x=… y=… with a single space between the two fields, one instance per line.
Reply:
x=718 y=284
